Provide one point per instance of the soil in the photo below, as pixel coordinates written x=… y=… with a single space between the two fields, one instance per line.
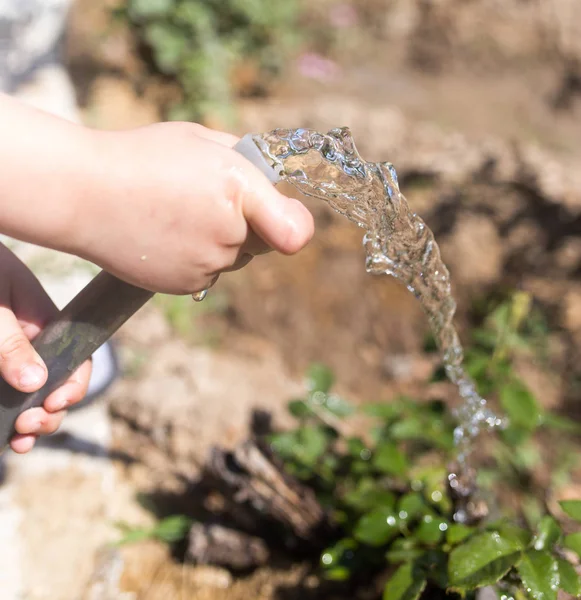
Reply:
x=439 y=120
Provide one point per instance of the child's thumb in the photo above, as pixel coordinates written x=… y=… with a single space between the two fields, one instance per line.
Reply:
x=283 y=223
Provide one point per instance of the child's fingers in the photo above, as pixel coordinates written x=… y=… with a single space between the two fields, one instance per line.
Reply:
x=72 y=391
x=20 y=365
x=37 y=421
x=46 y=420
x=21 y=444
x=30 y=310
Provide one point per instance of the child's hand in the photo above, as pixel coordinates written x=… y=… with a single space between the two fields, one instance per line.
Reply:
x=174 y=206
x=24 y=310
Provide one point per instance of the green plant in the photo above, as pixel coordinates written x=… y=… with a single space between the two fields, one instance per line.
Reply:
x=389 y=495
x=200 y=43
x=515 y=329
x=381 y=471
x=388 y=490
x=170 y=530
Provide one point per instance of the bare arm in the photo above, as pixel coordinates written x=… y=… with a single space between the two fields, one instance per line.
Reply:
x=47 y=169
x=167 y=207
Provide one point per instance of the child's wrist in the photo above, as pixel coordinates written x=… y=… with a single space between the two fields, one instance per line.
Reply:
x=91 y=200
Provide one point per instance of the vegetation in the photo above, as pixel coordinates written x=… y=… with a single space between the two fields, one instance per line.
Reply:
x=201 y=43
x=390 y=493
x=398 y=519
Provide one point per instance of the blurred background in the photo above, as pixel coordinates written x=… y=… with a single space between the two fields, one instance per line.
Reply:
x=477 y=104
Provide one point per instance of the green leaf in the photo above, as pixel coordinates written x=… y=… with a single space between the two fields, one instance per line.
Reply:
x=172 y=529
x=338 y=574
x=377 y=527
x=407 y=583
x=431 y=530
x=572 y=508
x=132 y=536
x=520 y=405
x=548 y=533
x=457 y=532
x=573 y=542
x=357 y=448
x=516 y=535
x=139 y=9
x=403 y=550
x=169 y=45
x=533 y=511
x=284 y=443
x=515 y=436
x=482 y=560
x=413 y=505
x=389 y=459
x=526 y=456
x=383 y=410
x=368 y=495
x=410 y=428
x=313 y=442
x=561 y=423
x=569 y=580
x=320 y=378
x=300 y=409
x=337 y=406
x=540 y=574
x=305 y=445
x=335 y=560
x=435 y=563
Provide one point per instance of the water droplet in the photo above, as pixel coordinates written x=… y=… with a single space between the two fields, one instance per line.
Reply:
x=319 y=398
x=365 y=454
x=327 y=559
x=391 y=521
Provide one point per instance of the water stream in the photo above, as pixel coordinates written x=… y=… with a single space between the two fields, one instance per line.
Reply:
x=397 y=243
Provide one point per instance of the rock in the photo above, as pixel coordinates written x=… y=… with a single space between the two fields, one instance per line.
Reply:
x=217 y=545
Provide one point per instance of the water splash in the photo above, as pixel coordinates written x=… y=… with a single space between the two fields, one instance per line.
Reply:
x=397 y=242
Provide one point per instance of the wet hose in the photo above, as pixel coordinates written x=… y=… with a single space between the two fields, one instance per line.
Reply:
x=87 y=322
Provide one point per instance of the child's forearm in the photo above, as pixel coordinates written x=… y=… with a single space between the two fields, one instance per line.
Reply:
x=166 y=207
x=48 y=168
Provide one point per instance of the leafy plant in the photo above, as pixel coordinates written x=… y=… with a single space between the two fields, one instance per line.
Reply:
x=390 y=497
x=200 y=43
x=381 y=471
x=512 y=329
x=170 y=530
x=388 y=491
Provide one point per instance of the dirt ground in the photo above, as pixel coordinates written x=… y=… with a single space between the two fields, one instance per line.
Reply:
x=191 y=382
